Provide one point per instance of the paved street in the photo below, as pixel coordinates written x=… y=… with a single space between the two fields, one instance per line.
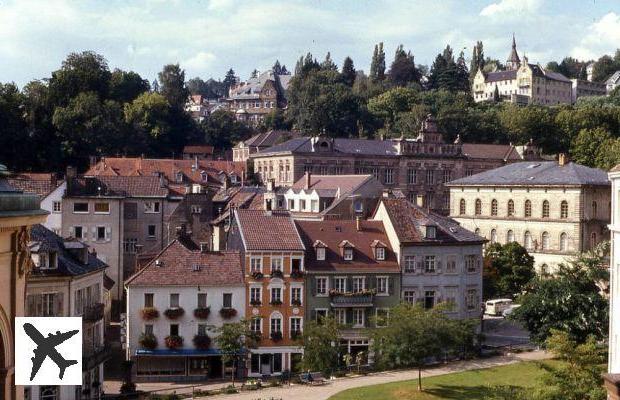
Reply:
x=501 y=332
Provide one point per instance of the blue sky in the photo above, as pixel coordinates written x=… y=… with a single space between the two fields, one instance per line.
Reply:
x=209 y=36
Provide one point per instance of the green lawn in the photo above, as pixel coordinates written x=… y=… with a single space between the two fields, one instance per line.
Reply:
x=474 y=384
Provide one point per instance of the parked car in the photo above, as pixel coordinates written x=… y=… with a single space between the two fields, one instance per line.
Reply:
x=510 y=309
x=497 y=306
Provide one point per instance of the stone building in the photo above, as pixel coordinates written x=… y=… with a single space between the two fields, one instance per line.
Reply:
x=417 y=167
x=582 y=88
x=522 y=83
x=260 y=142
x=440 y=261
x=18 y=212
x=253 y=99
x=552 y=208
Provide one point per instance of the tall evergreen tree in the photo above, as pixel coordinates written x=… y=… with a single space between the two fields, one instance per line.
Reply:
x=477 y=60
x=328 y=64
x=229 y=80
x=172 y=80
x=277 y=68
x=348 y=71
x=462 y=74
x=377 y=66
x=403 y=70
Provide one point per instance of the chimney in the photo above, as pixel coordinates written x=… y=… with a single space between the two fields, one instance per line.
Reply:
x=308 y=179
x=358 y=223
x=195 y=165
x=181 y=231
x=562 y=159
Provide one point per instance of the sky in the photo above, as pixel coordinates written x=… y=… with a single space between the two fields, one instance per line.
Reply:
x=207 y=37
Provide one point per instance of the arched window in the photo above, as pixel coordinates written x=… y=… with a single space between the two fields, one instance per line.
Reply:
x=462 y=207
x=275 y=323
x=527 y=240
x=545 y=241
x=593 y=240
x=478 y=209
x=594 y=209
x=528 y=208
x=510 y=236
x=511 y=208
x=493 y=236
x=564 y=209
x=493 y=207
x=563 y=241
x=545 y=209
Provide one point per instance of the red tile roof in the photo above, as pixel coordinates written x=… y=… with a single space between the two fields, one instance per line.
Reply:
x=268 y=230
x=177 y=267
x=40 y=184
x=333 y=233
x=198 y=149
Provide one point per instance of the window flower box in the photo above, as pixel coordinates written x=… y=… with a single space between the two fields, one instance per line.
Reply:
x=202 y=312
x=148 y=341
x=228 y=313
x=277 y=274
x=202 y=342
x=174 y=313
x=296 y=302
x=276 y=336
x=174 y=342
x=149 y=313
x=276 y=302
x=255 y=302
x=257 y=275
x=297 y=273
x=296 y=335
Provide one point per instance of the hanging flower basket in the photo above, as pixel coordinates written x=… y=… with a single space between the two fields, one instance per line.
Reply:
x=202 y=312
x=174 y=342
x=228 y=313
x=174 y=313
x=148 y=341
x=202 y=342
x=149 y=313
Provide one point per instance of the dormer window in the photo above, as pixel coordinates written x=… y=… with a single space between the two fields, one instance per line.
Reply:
x=348 y=254
x=204 y=176
x=179 y=177
x=430 y=231
x=380 y=253
x=48 y=260
x=346 y=250
x=320 y=253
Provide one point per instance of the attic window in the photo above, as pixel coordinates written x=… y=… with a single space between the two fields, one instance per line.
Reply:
x=431 y=232
x=179 y=177
x=320 y=253
x=380 y=253
x=348 y=254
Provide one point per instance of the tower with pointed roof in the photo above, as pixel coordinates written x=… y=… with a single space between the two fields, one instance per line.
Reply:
x=513 y=61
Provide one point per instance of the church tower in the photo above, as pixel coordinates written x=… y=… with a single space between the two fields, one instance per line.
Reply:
x=513 y=61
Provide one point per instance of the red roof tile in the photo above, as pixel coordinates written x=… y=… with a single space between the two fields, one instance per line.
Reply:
x=333 y=233
x=268 y=230
x=40 y=184
x=490 y=151
x=198 y=149
x=177 y=268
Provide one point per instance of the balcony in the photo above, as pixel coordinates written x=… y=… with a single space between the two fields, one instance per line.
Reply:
x=93 y=313
x=95 y=355
x=352 y=299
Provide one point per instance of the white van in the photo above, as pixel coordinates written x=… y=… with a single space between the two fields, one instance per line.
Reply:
x=497 y=306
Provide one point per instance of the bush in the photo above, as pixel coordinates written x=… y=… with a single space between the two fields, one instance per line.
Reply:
x=202 y=312
x=202 y=342
x=149 y=313
x=174 y=313
x=174 y=342
x=228 y=313
x=148 y=341
x=230 y=389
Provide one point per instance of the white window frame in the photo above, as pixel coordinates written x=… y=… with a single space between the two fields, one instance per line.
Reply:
x=81 y=212
x=348 y=253
x=260 y=293
x=57 y=207
x=406 y=294
x=273 y=318
x=301 y=294
x=428 y=261
x=387 y=315
x=320 y=310
x=253 y=323
x=105 y=233
x=152 y=207
x=340 y=315
x=324 y=279
x=357 y=279
x=386 y=291
x=281 y=263
x=101 y=212
x=451 y=259
x=356 y=313
x=271 y=293
x=254 y=259
x=320 y=253
x=337 y=281
x=409 y=261
x=290 y=324
x=380 y=253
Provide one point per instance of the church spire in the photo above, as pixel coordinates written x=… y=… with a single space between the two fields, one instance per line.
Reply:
x=513 y=61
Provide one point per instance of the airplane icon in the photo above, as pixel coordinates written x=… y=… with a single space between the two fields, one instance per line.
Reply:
x=46 y=347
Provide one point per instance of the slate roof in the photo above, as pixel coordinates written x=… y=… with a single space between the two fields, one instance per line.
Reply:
x=497 y=76
x=268 y=230
x=40 y=184
x=537 y=70
x=408 y=219
x=332 y=233
x=613 y=78
x=178 y=265
x=537 y=173
x=330 y=185
x=341 y=145
x=44 y=240
x=251 y=88
x=269 y=138
x=116 y=186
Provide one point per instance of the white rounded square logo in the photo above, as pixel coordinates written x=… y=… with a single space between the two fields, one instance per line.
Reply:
x=48 y=351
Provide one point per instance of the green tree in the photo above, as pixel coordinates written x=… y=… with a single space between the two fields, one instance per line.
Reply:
x=328 y=64
x=172 y=86
x=233 y=340
x=507 y=270
x=321 y=345
x=570 y=300
x=275 y=120
x=80 y=72
x=391 y=103
x=126 y=86
x=587 y=145
x=229 y=80
x=149 y=117
x=532 y=122
x=222 y=130
x=403 y=70
x=477 y=60
x=377 y=64
x=413 y=335
x=14 y=139
x=604 y=67
x=348 y=72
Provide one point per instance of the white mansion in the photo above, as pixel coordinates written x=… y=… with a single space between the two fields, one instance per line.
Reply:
x=554 y=209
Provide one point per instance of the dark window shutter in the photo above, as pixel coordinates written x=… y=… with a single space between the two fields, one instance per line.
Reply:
x=390 y=285
x=371 y=281
x=30 y=306
x=313 y=285
x=313 y=315
x=349 y=314
x=58 y=305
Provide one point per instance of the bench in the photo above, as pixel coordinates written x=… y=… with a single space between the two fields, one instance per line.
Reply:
x=312 y=378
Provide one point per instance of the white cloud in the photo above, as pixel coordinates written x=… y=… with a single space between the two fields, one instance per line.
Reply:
x=602 y=37
x=200 y=62
x=512 y=8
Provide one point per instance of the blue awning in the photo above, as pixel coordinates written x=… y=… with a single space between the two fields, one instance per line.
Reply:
x=179 y=352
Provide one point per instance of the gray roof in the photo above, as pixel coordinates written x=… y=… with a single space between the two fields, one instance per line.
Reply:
x=613 y=78
x=341 y=145
x=497 y=76
x=537 y=173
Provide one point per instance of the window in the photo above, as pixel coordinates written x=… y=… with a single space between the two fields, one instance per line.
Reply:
x=429 y=264
x=321 y=286
x=511 y=208
x=563 y=241
x=129 y=245
x=151 y=207
x=314 y=205
x=49 y=393
x=447 y=175
x=340 y=284
x=389 y=176
x=255 y=295
x=276 y=295
x=320 y=253
x=358 y=317
x=430 y=176
x=528 y=209
x=101 y=233
x=462 y=207
x=564 y=209
x=44 y=305
x=493 y=236
x=255 y=324
x=450 y=297
x=174 y=329
x=359 y=283
x=80 y=208
x=545 y=241
x=276 y=263
x=382 y=285
x=56 y=206
x=348 y=254
x=545 y=209
x=148 y=329
x=295 y=325
x=493 y=207
x=409 y=296
x=359 y=206
x=227 y=300
x=321 y=313
x=510 y=236
x=594 y=209
x=275 y=324
x=202 y=329
x=151 y=231
x=593 y=240
x=471 y=299
x=256 y=264
x=174 y=300
x=471 y=263
x=478 y=209
x=340 y=315
x=291 y=204
x=302 y=205
x=527 y=240
x=148 y=299
x=410 y=264
x=451 y=264
x=429 y=299
x=295 y=296
x=201 y=301
x=431 y=232
x=412 y=176
x=102 y=208
x=380 y=253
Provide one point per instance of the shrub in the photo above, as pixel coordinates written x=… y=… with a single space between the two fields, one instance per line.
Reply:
x=296 y=302
x=228 y=313
x=149 y=313
x=202 y=342
x=297 y=273
x=230 y=390
x=174 y=342
x=202 y=312
x=148 y=341
x=174 y=313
